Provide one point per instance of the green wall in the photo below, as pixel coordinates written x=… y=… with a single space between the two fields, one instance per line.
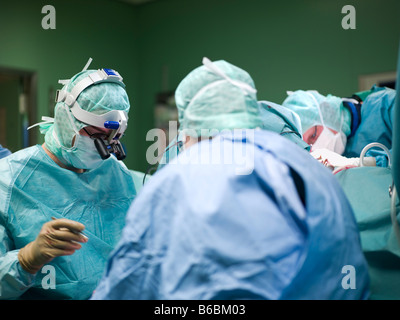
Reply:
x=284 y=45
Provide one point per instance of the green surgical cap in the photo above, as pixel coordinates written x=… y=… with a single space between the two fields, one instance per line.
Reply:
x=304 y=103
x=97 y=98
x=217 y=100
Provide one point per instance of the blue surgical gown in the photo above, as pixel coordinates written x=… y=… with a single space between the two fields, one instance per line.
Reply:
x=32 y=190
x=376 y=125
x=4 y=152
x=273 y=224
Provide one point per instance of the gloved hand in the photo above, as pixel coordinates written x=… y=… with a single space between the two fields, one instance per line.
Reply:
x=57 y=238
x=334 y=160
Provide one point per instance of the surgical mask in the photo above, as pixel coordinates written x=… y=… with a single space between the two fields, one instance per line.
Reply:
x=83 y=154
x=331 y=141
x=86 y=155
x=335 y=142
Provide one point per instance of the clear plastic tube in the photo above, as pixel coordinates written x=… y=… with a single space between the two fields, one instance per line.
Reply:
x=371 y=145
x=393 y=191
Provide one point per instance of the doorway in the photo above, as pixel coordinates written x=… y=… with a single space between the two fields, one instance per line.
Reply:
x=18 y=108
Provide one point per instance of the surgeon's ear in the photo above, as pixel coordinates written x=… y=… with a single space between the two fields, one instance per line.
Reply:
x=73 y=141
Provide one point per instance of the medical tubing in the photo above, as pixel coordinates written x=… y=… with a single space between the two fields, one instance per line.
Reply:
x=179 y=144
x=371 y=145
x=393 y=213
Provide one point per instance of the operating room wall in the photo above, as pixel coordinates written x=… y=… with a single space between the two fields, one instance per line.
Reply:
x=102 y=29
x=284 y=45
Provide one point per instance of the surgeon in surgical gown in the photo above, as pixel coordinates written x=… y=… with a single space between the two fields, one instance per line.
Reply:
x=47 y=191
x=241 y=214
x=364 y=118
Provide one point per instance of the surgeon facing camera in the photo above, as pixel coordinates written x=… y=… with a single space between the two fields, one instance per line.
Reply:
x=338 y=129
x=50 y=194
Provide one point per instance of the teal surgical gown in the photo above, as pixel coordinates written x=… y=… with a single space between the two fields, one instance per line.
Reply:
x=376 y=125
x=283 y=121
x=32 y=190
x=272 y=224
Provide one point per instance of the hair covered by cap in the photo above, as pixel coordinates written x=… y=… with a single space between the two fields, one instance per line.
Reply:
x=304 y=103
x=206 y=100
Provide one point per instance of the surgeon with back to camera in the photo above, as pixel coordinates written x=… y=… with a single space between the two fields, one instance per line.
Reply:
x=63 y=203
x=268 y=223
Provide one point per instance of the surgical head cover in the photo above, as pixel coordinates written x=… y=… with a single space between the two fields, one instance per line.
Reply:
x=97 y=99
x=217 y=95
x=305 y=104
